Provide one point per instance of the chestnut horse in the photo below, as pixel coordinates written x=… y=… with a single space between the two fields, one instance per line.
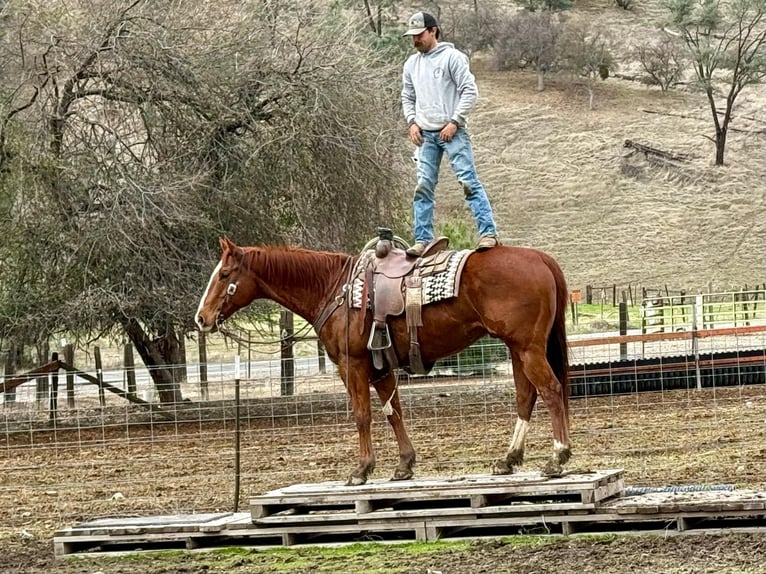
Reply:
x=515 y=294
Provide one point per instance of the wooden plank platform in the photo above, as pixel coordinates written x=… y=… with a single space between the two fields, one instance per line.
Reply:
x=473 y=491
x=425 y=510
x=665 y=512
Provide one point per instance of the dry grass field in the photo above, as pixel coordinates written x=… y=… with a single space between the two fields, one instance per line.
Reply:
x=559 y=179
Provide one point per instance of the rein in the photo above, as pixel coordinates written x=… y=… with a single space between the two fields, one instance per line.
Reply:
x=234 y=337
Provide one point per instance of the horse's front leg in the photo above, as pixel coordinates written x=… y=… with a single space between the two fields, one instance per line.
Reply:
x=388 y=392
x=356 y=375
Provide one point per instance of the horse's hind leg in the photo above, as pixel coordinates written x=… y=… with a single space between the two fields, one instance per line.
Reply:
x=389 y=395
x=526 y=396
x=541 y=375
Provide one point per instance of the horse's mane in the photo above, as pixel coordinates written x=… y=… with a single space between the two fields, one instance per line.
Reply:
x=296 y=266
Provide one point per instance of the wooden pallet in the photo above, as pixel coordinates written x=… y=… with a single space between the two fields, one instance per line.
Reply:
x=425 y=510
x=474 y=491
x=145 y=533
x=666 y=512
x=379 y=510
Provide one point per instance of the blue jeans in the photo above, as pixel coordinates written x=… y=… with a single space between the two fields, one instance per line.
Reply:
x=460 y=154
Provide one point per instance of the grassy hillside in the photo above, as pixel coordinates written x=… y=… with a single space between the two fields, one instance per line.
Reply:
x=559 y=179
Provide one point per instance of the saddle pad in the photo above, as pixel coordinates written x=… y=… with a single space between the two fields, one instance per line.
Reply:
x=440 y=281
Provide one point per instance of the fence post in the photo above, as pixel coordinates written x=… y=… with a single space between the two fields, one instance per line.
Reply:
x=249 y=352
x=42 y=384
x=69 y=360
x=130 y=368
x=9 y=397
x=204 y=393
x=320 y=355
x=699 y=313
x=99 y=376
x=695 y=342
x=623 y=329
x=237 y=439
x=745 y=304
x=287 y=339
x=588 y=294
x=54 y=395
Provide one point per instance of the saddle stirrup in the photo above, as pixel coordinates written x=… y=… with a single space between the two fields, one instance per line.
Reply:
x=379 y=341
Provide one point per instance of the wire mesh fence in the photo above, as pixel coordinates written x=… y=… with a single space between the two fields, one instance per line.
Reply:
x=123 y=459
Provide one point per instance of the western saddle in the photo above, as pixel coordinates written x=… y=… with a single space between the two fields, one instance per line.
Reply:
x=393 y=285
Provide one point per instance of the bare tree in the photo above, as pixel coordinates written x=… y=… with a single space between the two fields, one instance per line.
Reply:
x=528 y=40
x=585 y=51
x=381 y=15
x=471 y=27
x=726 y=43
x=662 y=60
x=138 y=133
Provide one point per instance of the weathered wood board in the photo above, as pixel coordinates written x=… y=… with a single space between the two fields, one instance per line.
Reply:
x=427 y=509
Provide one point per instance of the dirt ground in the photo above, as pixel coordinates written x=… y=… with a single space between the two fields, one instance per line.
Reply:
x=107 y=467
x=647 y=554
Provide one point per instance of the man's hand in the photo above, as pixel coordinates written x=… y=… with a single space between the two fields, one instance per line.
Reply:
x=415 y=135
x=448 y=132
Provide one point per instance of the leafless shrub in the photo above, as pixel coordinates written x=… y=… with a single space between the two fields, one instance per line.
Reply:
x=585 y=52
x=663 y=61
x=471 y=28
x=528 y=40
x=625 y=4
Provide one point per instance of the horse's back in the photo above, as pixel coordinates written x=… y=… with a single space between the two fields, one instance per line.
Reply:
x=513 y=290
x=512 y=267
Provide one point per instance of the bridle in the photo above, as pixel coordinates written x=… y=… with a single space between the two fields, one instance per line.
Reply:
x=231 y=290
x=336 y=301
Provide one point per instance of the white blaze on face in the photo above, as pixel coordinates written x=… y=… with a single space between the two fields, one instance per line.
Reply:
x=204 y=295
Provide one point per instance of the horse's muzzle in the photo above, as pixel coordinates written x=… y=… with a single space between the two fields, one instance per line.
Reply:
x=204 y=328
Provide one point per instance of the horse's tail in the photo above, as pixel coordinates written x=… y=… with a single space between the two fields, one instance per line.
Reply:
x=558 y=350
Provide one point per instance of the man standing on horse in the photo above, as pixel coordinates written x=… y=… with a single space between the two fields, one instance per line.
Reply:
x=438 y=91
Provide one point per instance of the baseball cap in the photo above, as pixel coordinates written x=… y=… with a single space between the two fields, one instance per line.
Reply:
x=418 y=22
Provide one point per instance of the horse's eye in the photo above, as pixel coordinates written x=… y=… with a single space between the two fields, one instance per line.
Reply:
x=224 y=275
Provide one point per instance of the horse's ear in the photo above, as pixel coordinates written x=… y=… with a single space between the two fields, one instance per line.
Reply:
x=230 y=248
x=226 y=244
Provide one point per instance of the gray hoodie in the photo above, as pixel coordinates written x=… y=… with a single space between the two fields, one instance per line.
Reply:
x=437 y=87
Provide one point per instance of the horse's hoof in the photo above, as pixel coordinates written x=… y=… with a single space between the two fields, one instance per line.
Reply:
x=502 y=467
x=553 y=469
x=402 y=474
x=355 y=481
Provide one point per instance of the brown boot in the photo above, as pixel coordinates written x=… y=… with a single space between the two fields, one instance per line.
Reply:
x=487 y=242
x=417 y=249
